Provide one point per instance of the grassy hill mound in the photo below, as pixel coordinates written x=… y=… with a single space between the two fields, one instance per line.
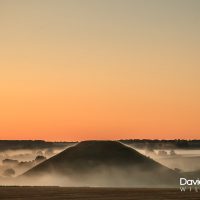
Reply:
x=104 y=163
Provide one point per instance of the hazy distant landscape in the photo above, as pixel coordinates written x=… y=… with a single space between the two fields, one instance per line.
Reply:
x=16 y=157
x=107 y=170
x=98 y=163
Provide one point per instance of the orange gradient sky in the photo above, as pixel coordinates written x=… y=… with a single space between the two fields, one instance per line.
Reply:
x=108 y=69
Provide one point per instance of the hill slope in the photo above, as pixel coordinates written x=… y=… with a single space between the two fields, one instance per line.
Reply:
x=102 y=163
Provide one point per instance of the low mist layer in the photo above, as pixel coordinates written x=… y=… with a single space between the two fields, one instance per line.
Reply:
x=92 y=163
x=101 y=163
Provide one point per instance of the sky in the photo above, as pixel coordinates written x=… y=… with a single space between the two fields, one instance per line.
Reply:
x=99 y=69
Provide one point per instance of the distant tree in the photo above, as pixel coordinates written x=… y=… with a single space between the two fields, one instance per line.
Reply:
x=172 y=153
x=39 y=159
x=149 y=148
x=162 y=153
x=39 y=153
x=26 y=164
x=9 y=172
x=49 y=152
x=177 y=170
x=10 y=162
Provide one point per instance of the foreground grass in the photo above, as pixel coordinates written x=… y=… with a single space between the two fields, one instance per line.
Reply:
x=62 y=193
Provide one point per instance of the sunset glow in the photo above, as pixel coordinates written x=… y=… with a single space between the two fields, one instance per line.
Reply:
x=108 y=69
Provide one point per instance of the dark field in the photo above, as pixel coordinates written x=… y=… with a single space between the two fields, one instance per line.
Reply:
x=61 y=193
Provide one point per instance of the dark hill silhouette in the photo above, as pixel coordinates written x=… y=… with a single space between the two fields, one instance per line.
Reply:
x=104 y=163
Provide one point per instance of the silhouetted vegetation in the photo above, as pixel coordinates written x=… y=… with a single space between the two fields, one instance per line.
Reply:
x=40 y=159
x=10 y=162
x=30 y=144
x=163 y=144
x=137 y=143
x=9 y=173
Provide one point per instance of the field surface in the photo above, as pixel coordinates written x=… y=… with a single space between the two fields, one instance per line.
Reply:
x=61 y=193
